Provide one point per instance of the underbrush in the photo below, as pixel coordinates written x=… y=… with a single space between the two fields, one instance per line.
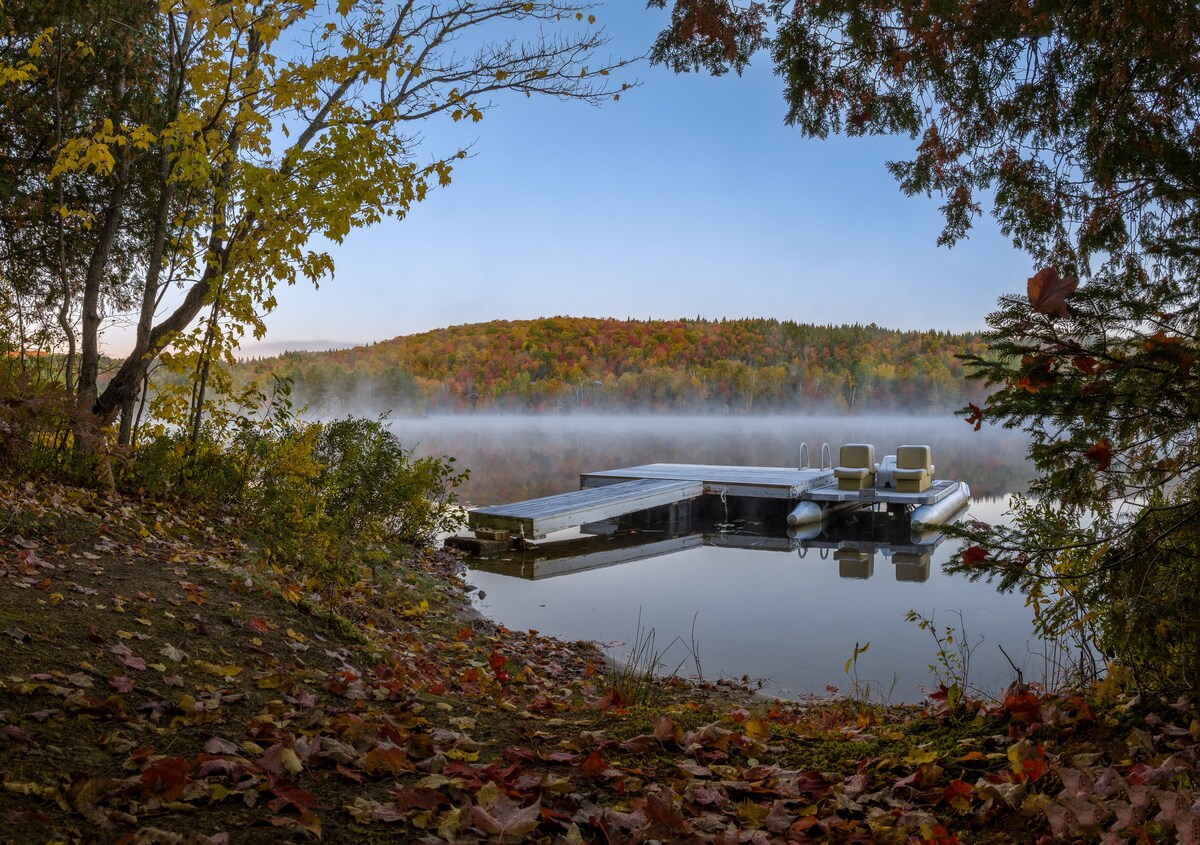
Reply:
x=320 y=500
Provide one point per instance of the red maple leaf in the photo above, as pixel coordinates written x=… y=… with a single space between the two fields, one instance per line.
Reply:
x=976 y=415
x=975 y=555
x=593 y=765
x=167 y=777
x=1035 y=767
x=294 y=796
x=1022 y=704
x=1101 y=453
x=1048 y=292
x=958 y=795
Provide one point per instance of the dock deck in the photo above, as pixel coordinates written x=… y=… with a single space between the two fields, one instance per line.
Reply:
x=535 y=518
x=936 y=491
x=751 y=482
x=615 y=492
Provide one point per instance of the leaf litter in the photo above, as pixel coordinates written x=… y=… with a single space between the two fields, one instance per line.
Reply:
x=160 y=685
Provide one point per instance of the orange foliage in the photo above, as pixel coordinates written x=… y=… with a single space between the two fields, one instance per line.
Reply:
x=569 y=362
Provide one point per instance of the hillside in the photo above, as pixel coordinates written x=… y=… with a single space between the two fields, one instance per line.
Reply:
x=571 y=362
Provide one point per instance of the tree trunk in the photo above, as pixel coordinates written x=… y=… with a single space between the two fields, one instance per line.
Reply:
x=141 y=349
x=210 y=337
x=133 y=369
x=158 y=241
x=89 y=364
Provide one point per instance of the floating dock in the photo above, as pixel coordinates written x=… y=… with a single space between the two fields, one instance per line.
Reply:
x=534 y=518
x=750 y=482
x=615 y=492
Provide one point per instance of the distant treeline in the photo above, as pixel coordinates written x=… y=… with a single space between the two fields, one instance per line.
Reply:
x=564 y=363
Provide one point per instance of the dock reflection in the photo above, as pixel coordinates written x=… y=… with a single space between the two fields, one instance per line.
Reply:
x=854 y=543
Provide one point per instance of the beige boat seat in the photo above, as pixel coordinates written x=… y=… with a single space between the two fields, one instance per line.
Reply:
x=914 y=469
x=855 y=563
x=911 y=566
x=856 y=466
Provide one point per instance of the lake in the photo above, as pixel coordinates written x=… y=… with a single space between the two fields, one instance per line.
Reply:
x=736 y=592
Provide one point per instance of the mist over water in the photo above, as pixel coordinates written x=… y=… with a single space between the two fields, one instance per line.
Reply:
x=513 y=457
x=792 y=619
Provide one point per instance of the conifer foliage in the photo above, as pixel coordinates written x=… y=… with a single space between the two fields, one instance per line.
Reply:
x=1077 y=124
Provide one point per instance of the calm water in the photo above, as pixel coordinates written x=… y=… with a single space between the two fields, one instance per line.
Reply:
x=763 y=607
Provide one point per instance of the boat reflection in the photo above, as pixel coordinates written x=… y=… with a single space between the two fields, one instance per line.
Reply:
x=855 y=542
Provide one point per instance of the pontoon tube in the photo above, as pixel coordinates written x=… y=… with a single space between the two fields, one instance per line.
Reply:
x=942 y=509
x=804 y=513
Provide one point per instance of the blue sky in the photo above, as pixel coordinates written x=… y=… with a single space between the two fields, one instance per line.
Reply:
x=688 y=197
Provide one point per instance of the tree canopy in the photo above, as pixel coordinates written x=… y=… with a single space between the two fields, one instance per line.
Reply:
x=160 y=161
x=1075 y=125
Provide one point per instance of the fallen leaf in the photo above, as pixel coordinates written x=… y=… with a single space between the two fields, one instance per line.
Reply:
x=127 y=657
x=167 y=777
x=171 y=653
x=390 y=759
x=217 y=745
x=281 y=759
x=506 y=818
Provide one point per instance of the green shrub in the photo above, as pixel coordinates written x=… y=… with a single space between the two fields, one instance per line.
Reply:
x=321 y=499
x=374 y=488
x=169 y=466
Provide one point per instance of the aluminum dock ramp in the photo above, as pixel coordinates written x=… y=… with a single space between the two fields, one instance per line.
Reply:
x=534 y=518
x=616 y=492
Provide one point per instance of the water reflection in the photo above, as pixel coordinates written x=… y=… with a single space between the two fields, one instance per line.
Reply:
x=758 y=602
x=853 y=540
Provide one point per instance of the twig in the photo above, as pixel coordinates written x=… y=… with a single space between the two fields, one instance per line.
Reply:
x=1020 y=674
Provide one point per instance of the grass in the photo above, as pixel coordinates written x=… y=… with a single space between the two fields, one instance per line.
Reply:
x=629 y=682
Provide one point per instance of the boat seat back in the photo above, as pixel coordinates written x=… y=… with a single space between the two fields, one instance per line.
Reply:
x=857 y=455
x=914 y=457
x=855 y=563
x=856 y=466
x=914 y=469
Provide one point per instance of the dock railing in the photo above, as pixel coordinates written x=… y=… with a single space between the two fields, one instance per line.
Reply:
x=802 y=460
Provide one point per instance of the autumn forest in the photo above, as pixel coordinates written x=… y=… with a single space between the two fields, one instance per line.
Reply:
x=570 y=363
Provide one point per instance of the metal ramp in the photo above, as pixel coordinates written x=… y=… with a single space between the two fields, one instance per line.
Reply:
x=535 y=518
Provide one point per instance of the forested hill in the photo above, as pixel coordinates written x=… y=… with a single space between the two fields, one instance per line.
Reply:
x=684 y=365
